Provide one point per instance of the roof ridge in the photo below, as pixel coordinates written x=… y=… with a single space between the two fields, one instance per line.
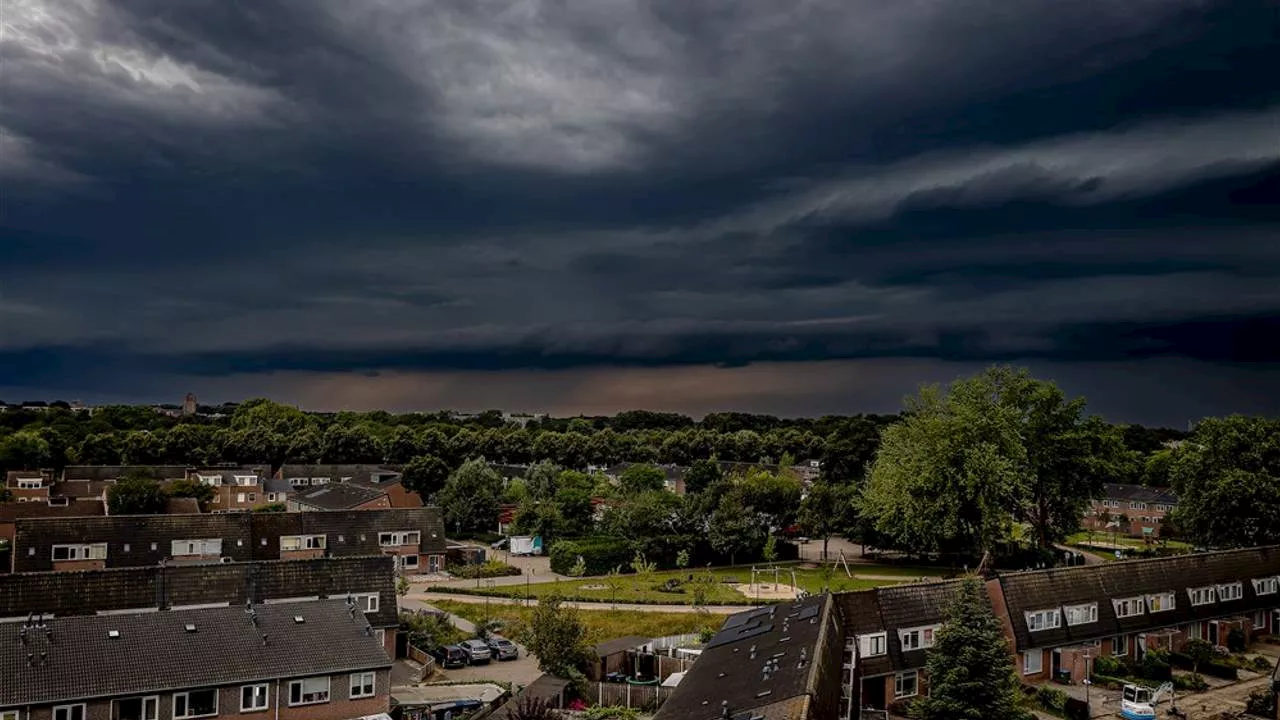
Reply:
x=1131 y=561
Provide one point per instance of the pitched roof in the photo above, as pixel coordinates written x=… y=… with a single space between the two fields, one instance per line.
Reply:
x=338 y=496
x=82 y=489
x=731 y=667
x=155 y=653
x=11 y=511
x=83 y=592
x=1139 y=493
x=617 y=645
x=890 y=609
x=277 y=485
x=13 y=476
x=115 y=472
x=1058 y=587
x=181 y=506
x=229 y=475
x=361 y=473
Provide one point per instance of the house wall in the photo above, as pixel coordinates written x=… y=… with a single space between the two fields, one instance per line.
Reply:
x=1138 y=517
x=40 y=494
x=65 y=565
x=380 y=502
x=339 y=707
x=401 y=497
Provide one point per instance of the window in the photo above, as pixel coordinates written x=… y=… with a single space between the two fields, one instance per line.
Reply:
x=69 y=712
x=1160 y=602
x=367 y=602
x=361 y=685
x=209 y=546
x=1230 y=591
x=253 y=697
x=96 y=551
x=906 y=684
x=410 y=561
x=8 y=715
x=916 y=638
x=404 y=537
x=1202 y=595
x=1044 y=619
x=309 y=691
x=1266 y=586
x=194 y=704
x=1120 y=645
x=139 y=708
x=1032 y=662
x=246 y=480
x=1137 y=506
x=29 y=484
x=302 y=542
x=873 y=645
x=1081 y=614
x=240 y=497
x=214 y=480
x=1128 y=607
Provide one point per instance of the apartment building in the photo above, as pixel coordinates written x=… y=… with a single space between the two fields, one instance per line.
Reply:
x=414 y=537
x=317 y=660
x=1130 y=510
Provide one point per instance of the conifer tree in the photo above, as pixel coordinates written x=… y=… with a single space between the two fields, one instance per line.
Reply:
x=970 y=669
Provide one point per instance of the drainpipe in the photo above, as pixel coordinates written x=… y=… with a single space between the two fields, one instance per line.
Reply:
x=277 y=698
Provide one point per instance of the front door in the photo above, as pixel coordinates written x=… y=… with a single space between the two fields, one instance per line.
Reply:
x=873 y=694
x=1213 y=633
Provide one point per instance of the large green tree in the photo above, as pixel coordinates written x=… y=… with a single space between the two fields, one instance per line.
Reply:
x=425 y=475
x=733 y=529
x=970 y=669
x=701 y=475
x=828 y=509
x=1227 y=476
x=469 y=499
x=641 y=478
x=557 y=637
x=24 y=450
x=963 y=466
x=135 y=495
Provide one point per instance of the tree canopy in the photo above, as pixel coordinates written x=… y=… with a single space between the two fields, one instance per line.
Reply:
x=469 y=500
x=1227 y=476
x=135 y=495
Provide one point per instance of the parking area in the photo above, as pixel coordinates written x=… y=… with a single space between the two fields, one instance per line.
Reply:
x=521 y=671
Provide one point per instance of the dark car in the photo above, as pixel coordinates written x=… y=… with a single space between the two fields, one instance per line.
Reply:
x=503 y=649
x=451 y=656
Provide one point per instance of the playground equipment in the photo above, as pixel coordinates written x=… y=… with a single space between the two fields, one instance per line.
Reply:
x=1139 y=703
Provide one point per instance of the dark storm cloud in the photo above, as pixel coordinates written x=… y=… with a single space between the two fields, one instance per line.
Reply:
x=211 y=189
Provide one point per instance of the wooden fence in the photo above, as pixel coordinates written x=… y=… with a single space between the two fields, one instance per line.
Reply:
x=640 y=697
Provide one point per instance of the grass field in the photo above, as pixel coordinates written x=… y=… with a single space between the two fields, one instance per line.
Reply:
x=600 y=624
x=1104 y=540
x=632 y=588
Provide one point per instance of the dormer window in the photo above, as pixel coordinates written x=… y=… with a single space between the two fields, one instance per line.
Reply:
x=1128 y=607
x=1044 y=619
x=917 y=638
x=1202 y=595
x=246 y=480
x=873 y=645
x=1081 y=614
x=1266 y=586
x=30 y=483
x=1230 y=591
x=1161 y=602
x=214 y=480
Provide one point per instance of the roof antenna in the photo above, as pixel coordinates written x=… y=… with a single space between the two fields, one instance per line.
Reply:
x=724 y=708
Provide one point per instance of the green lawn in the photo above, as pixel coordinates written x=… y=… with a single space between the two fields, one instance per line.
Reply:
x=1105 y=539
x=631 y=588
x=600 y=624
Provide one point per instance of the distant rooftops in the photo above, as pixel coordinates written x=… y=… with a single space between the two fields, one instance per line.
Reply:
x=1139 y=493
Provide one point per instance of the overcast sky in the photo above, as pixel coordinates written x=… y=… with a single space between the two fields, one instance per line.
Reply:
x=592 y=205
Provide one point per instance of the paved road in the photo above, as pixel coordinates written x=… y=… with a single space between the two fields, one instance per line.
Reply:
x=427 y=597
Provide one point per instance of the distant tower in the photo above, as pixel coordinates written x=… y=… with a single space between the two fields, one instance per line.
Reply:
x=189 y=404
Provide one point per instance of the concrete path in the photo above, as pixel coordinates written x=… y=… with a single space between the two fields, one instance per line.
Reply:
x=1089 y=557
x=427 y=597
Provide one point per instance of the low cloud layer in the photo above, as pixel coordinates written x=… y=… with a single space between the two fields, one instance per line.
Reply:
x=232 y=197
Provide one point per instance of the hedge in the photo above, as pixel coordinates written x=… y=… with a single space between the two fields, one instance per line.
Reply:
x=1212 y=669
x=600 y=554
x=596 y=599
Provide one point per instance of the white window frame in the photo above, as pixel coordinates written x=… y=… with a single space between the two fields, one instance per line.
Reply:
x=149 y=703
x=1050 y=619
x=195 y=547
x=898 y=692
x=400 y=538
x=1207 y=595
x=918 y=638
x=1266 y=585
x=304 y=542
x=246 y=480
x=67 y=712
x=1132 y=606
x=367 y=602
x=186 y=698
x=1026 y=662
x=1137 y=506
x=1088 y=610
x=874 y=644
x=9 y=714
x=30 y=483
x=266 y=697
x=301 y=685
x=358 y=685
x=1167 y=601
x=80 y=551
x=405 y=560
x=1228 y=592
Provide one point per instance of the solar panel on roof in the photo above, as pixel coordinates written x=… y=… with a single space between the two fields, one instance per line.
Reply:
x=806 y=613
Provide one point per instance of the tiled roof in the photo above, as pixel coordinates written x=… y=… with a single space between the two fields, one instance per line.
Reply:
x=115 y=472
x=1139 y=493
x=12 y=476
x=1048 y=589
x=617 y=645
x=367 y=473
x=229 y=475
x=337 y=496
x=277 y=485
x=727 y=671
x=890 y=609
x=181 y=506
x=11 y=511
x=154 y=652
x=86 y=489
x=84 y=592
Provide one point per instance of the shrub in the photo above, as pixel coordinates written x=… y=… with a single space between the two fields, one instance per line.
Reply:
x=1189 y=683
x=1076 y=709
x=1155 y=666
x=1109 y=665
x=486 y=569
x=613 y=712
x=1051 y=698
x=599 y=554
x=1236 y=640
x=1262 y=665
x=1262 y=703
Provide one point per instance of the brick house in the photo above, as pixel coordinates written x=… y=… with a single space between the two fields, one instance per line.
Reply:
x=235 y=489
x=1135 y=510
x=29 y=485
x=367 y=579
x=11 y=512
x=385 y=478
x=1058 y=618
x=414 y=536
x=316 y=660
x=338 y=496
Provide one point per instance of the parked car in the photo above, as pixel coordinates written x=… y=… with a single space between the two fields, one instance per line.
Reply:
x=477 y=651
x=502 y=648
x=451 y=656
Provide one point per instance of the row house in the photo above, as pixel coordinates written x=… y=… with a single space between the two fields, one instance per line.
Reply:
x=382 y=478
x=1131 y=510
x=235 y=489
x=317 y=660
x=414 y=537
x=367 y=580
x=345 y=496
x=29 y=485
x=1058 y=619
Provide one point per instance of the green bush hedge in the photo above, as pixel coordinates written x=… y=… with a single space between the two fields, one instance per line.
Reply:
x=600 y=554
x=487 y=569
x=484 y=592
x=1212 y=669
